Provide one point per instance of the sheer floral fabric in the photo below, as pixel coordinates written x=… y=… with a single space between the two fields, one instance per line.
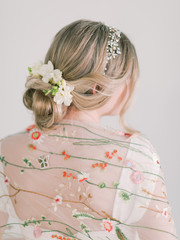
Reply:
x=82 y=181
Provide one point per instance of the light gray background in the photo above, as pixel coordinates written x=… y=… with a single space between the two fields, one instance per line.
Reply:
x=27 y=29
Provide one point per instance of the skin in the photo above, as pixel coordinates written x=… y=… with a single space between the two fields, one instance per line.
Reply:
x=112 y=107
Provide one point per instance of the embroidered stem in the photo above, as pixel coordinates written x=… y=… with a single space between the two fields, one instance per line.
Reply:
x=146 y=191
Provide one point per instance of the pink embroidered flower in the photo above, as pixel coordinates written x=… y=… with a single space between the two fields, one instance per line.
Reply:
x=165 y=212
x=108 y=225
x=137 y=177
x=129 y=163
x=6 y=180
x=37 y=232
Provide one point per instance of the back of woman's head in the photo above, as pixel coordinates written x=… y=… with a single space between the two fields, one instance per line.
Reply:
x=79 y=50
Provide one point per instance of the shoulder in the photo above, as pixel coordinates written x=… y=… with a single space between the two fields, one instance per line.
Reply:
x=13 y=141
x=143 y=140
x=143 y=150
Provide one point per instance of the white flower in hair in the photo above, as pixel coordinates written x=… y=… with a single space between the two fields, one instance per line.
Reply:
x=35 y=69
x=59 y=90
x=46 y=69
x=47 y=72
x=63 y=94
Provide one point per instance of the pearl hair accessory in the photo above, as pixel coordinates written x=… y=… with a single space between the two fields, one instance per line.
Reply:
x=48 y=74
x=112 y=48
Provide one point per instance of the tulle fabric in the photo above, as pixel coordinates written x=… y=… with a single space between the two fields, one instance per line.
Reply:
x=82 y=181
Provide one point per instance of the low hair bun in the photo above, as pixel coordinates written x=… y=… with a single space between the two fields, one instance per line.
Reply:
x=27 y=98
x=46 y=112
x=44 y=108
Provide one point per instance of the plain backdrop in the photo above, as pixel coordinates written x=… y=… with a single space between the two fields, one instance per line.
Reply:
x=27 y=29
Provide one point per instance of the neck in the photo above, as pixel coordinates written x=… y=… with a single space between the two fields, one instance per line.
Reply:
x=83 y=115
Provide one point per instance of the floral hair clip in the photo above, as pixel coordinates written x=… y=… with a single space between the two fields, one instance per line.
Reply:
x=48 y=74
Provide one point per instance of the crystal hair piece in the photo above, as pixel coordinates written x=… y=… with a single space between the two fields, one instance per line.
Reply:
x=113 y=47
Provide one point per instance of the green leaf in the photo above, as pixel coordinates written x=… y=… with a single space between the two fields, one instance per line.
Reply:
x=69 y=232
x=83 y=226
x=43 y=217
x=115 y=184
x=49 y=222
x=86 y=230
x=30 y=69
x=25 y=224
x=124 y=196
x=2 y=158
x=120 y=234
x=102 y=185
x=34 y=221
x=47 y=91
x=54 y=87
x=25 y=160
x=22 y=170
x=5 y=163
x=83 y=215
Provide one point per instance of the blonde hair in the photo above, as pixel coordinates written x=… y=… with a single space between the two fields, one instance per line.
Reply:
x=79 y=51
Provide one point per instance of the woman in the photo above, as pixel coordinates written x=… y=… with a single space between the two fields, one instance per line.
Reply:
x=66 y=177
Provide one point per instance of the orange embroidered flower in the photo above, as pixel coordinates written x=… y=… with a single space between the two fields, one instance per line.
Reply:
x=30 y=127
x=68 y=175
x=83 y=176
x=36 y=136
x=101 y=165
x=62 y=238
x=114 y=152
x=123 y=133
x=66 y=155
x=108 y=155
x=108 y=225
x=31 y=146
x=127 y=134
